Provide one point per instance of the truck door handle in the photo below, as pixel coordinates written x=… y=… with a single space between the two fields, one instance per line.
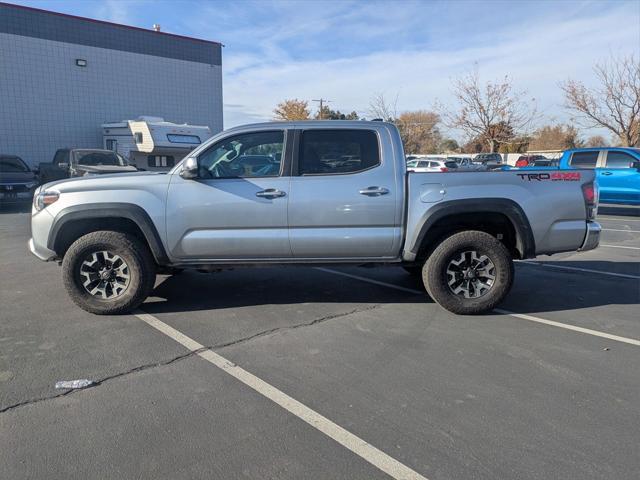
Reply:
x=270 y=193
x=607 y=173
x=374 y=191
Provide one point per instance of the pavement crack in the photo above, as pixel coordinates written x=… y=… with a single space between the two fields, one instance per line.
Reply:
x=97 y=383
x=189 y=354
x=270 y=331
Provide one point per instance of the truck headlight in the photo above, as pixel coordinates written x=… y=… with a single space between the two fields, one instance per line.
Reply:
x=44 y=199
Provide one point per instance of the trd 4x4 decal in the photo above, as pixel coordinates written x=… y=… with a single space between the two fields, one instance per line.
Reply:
x=554 y=177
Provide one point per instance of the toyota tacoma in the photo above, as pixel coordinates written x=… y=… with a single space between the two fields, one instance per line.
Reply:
x=316 y=192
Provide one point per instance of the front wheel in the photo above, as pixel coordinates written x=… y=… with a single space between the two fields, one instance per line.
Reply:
x=469 y=273
x=108 y=272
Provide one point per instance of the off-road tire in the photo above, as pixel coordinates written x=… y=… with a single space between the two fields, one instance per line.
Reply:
x=435 y=278
x=141 y=269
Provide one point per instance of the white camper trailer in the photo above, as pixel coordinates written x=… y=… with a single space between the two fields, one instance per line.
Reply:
x=151 y=143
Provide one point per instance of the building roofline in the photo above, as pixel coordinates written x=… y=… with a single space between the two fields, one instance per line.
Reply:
x=104 y=22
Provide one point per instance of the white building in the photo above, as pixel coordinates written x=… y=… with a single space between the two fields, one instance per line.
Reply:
x=62 y=77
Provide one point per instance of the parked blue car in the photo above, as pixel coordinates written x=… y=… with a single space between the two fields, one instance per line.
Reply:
x=617 y=171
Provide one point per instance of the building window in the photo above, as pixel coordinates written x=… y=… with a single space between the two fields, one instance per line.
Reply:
x=161 y=161
x=112 y=145
x=138 y=137
x=190 y=139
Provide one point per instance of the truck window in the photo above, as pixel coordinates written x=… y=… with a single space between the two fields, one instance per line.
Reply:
x=584 y=159
x=256 y=154
x=329 y=152
x=619 y=159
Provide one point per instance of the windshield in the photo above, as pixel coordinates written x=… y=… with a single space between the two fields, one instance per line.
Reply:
x=13 y=165
x=99 y=158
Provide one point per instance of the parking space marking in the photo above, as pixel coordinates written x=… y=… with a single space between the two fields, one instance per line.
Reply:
x=619 y=246
x=530 y=318
x=619 y=230
x=578 y=269
x=370 y=280
x=355 y=444
x=631 y=341
x=618 y=219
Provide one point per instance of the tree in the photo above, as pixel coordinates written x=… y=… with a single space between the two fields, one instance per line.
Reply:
x=493 y=113
x=614 y=104
x=596 y=141
x=555 y=137
x=449 y=145
x=419 y=131
x=328 y=114
x=380 y=107
x=292 y=109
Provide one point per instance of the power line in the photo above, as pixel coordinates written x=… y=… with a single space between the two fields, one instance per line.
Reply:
x=322 y=101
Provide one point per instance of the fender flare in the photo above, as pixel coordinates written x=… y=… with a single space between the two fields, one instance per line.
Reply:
x=129 y=211
x=525 y=241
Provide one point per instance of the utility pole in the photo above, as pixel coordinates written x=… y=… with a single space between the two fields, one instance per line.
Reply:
x=322 y=102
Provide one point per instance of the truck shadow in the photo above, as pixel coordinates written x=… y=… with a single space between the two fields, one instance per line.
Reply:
x=244 y=287
x=622 y=210
x=545 y=289
x=536 y=289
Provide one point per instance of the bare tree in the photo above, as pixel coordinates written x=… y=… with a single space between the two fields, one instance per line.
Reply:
x=490 y=111
x=292 y=109
x=419 y=131
x=380 y=107
x=613 y=104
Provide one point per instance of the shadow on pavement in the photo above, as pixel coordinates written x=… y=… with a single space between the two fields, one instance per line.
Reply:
x=536 y=289
x=622 y=210
x=543 y=289
x=243 y=287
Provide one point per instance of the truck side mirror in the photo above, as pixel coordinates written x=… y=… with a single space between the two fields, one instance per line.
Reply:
x=189 y=169
x=63 y=165
x=636 y=165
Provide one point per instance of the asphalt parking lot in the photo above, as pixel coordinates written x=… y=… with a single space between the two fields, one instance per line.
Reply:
x=326 y=373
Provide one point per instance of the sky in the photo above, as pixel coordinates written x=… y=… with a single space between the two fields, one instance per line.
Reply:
x=348 y=51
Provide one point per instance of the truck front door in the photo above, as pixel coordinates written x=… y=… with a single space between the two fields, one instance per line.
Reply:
x=237 y=208
x=619 y=182
x=345 y=198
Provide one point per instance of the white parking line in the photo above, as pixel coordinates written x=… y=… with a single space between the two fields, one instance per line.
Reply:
x=631 y=341
x=620 y=220
x=566 y=326
x=578 y=269
x=619 y=246
x=368 y=452
x=619 y=230
x=371 y=280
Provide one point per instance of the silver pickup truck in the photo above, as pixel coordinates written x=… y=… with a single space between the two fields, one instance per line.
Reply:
x=309 y=193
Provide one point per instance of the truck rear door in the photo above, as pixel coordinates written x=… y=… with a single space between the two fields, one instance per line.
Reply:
x=345 y=198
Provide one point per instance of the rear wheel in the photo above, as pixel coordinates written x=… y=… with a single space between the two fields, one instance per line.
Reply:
x=108 y=272
x=469 y=273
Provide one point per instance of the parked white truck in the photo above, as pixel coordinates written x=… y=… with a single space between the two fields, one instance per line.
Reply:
x=309 y=193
